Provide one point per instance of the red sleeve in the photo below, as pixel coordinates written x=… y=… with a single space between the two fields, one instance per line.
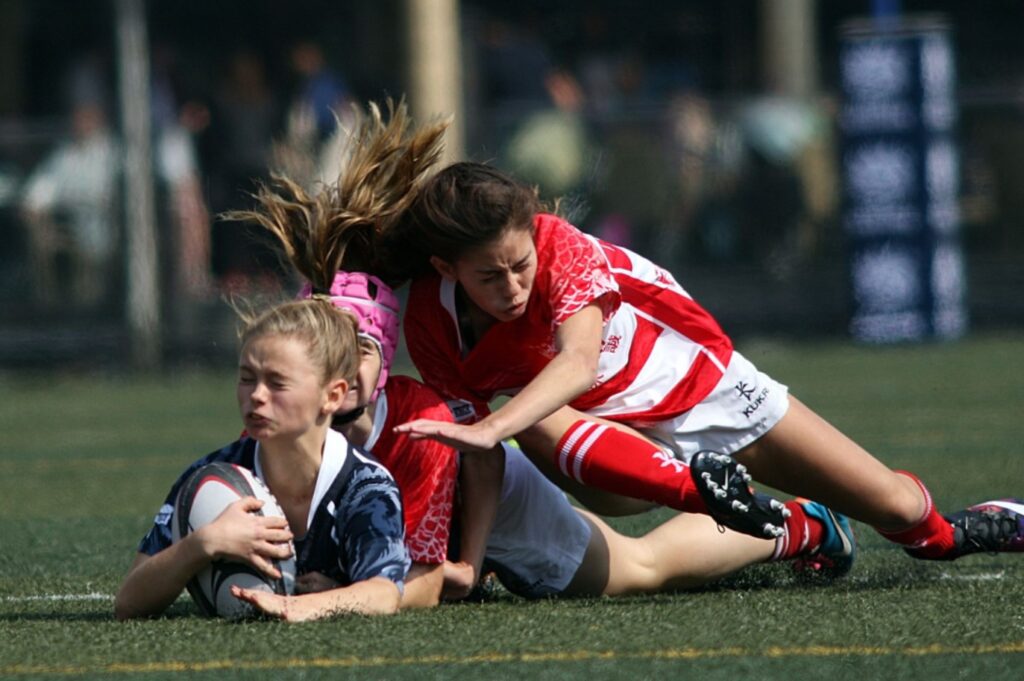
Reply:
x=572 y=270
x=432 y=340
x=425 y=470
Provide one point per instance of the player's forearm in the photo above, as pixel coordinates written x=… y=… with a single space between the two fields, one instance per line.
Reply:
x=154 y=582
x=565 y=378
x=375 y=596
x=480 y=480
x=571 y=372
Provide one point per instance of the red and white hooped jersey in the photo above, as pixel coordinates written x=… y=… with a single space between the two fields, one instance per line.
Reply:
x=661 y=353
x=425 y=470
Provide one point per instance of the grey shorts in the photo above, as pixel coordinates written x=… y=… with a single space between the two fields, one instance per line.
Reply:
x=539 y=540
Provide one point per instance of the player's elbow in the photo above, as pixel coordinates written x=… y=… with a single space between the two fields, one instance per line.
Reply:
x=389 y=601
x=126 y=608
x=423 y=586
x=121 y=611
x=419 y=599
x=127 y=602
x=583 y=366
x=375 y=596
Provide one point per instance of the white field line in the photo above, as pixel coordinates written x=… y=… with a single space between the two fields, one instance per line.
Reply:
x=980 y=577
x=59 y=597
x=945 y=576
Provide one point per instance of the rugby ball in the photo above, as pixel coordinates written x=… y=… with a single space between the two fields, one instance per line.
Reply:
x=202 y=498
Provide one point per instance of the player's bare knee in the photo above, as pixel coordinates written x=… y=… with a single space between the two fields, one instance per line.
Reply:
x=900 y=504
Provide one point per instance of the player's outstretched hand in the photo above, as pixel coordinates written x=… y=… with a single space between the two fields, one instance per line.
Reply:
x=474 y=438
x=287 y=608
x=304 y=608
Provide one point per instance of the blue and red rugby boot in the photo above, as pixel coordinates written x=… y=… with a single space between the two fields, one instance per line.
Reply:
x=835 y=555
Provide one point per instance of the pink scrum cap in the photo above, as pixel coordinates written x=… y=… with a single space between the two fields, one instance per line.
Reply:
x=375 y=306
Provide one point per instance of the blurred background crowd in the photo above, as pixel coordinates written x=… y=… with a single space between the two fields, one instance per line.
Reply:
x=704 y=133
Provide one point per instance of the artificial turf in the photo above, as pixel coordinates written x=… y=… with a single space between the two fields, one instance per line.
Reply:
x=86 y=461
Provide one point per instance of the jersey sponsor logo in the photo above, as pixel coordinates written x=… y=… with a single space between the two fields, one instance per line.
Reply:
x=462 y=411
x=163 y=516
x=754 y=401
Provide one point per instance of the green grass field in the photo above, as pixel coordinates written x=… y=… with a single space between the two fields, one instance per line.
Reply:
x=86 y=461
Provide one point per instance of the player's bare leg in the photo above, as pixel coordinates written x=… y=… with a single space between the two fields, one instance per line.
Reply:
x=807 y=456
x=685 y=552
x=803 y=454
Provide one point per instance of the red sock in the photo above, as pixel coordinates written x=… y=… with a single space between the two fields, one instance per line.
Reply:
x=931 y=536
x=601 y=456
x=803 y=534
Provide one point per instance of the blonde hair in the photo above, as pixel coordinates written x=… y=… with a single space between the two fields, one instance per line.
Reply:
x=328 y=333
x=337 y=228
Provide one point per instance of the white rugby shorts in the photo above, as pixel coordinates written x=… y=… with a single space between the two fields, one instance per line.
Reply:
x=745 y=404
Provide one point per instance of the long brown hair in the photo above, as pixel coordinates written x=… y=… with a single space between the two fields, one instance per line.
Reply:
x=462 y=207
x=385 y=164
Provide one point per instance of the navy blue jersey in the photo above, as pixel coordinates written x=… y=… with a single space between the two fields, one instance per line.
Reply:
x=355 y=529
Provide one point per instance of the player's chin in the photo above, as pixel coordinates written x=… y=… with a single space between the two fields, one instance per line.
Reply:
x=260 y=433
x=512 y=312
x=273 y=432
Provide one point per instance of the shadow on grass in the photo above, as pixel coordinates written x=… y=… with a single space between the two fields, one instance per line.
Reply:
x=765 y=578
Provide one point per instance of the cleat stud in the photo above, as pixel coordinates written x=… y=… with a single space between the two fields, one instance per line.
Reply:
x=776 y=505
x=741 y=469
x=720 y=494
x=786 y=512
x=747 y=478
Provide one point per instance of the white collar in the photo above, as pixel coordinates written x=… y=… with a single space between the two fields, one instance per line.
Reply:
x=380 y=415
x=335 y=452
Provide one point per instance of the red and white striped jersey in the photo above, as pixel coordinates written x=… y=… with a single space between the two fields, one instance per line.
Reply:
x=425 y=470
x=661 y=352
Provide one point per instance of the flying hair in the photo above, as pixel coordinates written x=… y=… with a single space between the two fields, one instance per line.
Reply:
x=337 y=227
